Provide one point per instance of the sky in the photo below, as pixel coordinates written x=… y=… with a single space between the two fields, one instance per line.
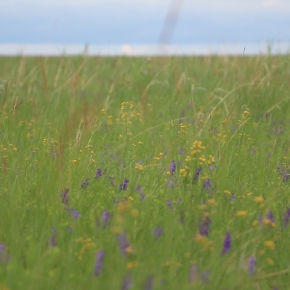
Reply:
x=114 y=22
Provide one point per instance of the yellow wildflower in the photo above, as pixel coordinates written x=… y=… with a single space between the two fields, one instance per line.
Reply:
x=131 y=265
x=242 y=213
x=255 y=223
x=270 y=261
x=259 y=199
x=270 y=245
x=261 y=252
x=268 y=222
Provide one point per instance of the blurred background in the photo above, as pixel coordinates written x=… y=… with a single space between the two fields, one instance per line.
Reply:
x=144 y=26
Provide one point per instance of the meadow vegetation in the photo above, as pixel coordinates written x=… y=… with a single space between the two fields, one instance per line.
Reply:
x=145 y=173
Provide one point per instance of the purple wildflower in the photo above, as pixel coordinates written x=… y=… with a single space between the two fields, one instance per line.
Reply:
x=85 y=183
x=99 y=262
x=204 y=276
x=286 y=216
x=98 y=173
x=172 y=167
x=65 y=197
x=181 y=151
x=260 y=219
x=127 y=283
x=123 y=186
x=181 y=217
x=197 y=174
x=193 y=273
x=140 y=190
x=169 y=204
x=227 y=243
x=2 y=248
x=206 y=184
x=170 y=182
x=75 y=214
x=270 y=216
x=123 y=243
x=204 y=227
x=286 y=175
x=212 y=167
x=233 y=198
x=158 y=232
x=106 y=218
x=53 y=238
x=252 y=264
x=149 y=283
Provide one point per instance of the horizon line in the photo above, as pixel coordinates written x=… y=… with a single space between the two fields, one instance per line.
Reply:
x=50 y=49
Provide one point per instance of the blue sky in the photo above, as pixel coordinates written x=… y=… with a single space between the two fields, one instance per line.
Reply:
x=106 y=22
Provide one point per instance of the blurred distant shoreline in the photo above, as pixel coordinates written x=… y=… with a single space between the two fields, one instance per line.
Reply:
x=280 y=48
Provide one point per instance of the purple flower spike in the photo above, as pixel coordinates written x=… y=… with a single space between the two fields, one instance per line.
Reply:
x=123 y=243
x=98 y=173
x=123 y=186
x=204 y=227
x=169 y=204
x=172 y=167
x=286 y=175
x=53 y=238
x=252 y=264
x=197 y=174
x=106 y=218
x=193 y=273
x=260 y=219
x=127 y=283
x=181 y=217
x=65 y=197
x=204 y=276
x=206 y=184
x=286 y=216
x=99 y=262
x=270 y=216
x=140 y=190
x=227 y=243
x=75 y=214
x=149 y=283
x=170 y=182
x=158 y=232
x=2 y=248
x=181 y=151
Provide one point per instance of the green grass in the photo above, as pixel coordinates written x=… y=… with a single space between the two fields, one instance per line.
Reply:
x=63 y=118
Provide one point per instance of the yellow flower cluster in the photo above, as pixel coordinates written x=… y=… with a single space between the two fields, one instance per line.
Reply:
x=242 y=213
x=227 y=192
x=139 y=167
x=197 y=147
x=270 y=245
x=86 y=245
x=184 y=172
x=260 y=200
x=204 y=241
x=182 y=128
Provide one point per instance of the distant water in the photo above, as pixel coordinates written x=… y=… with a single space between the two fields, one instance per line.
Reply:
x=145 y=50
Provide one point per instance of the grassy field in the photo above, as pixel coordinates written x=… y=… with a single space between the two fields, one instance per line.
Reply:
x=139 y=173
